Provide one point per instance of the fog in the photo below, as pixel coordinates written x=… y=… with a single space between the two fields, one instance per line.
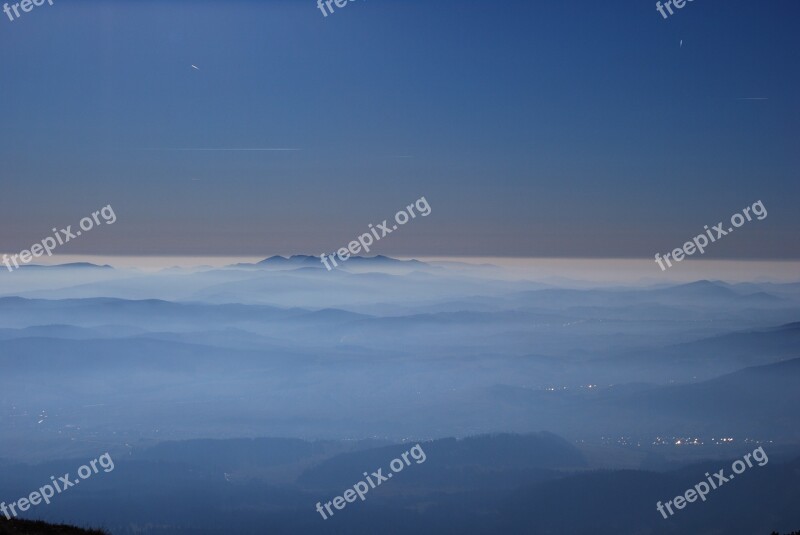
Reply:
x=100 y=358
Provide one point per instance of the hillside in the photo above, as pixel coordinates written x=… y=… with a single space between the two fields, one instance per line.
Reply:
x=27 y=527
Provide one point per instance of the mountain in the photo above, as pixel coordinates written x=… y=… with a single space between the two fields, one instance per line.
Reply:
x=383 y=261
x=707 y=357
x=306 y=261
x=73 y=265
x=292 y=261
x=617 y=502
x=500 y=460
x=756 y=403
x=763 y=399
x=534 y=483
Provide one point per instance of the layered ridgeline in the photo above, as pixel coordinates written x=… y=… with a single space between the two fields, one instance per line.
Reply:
x=641 y=388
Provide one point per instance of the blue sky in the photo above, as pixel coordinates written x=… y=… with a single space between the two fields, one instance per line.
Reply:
x=575 y=128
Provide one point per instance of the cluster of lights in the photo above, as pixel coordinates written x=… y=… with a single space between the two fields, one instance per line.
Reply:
x=754 y=441
x=677 y=441
x=622 y=441
x=674 y=441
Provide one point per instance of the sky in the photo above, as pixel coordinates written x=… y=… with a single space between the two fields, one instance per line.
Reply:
x=533 y=129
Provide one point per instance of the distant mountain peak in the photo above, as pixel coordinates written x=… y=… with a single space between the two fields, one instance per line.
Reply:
x=301 y=261
x=277 y=259
x=70 y=265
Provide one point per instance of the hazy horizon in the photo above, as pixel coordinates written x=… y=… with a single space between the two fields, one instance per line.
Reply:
x=600 y=270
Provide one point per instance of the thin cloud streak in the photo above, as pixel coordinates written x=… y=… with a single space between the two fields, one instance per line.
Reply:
x=224 y=150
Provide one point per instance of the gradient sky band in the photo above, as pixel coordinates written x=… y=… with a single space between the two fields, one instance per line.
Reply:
x=26 y=6
x=668 y=5
x=321 y=4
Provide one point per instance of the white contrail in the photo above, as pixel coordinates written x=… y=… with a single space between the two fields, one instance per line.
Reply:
x=226 y=150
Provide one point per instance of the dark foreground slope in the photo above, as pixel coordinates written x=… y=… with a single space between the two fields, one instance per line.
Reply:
x=534 y=483
x=26 y=527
